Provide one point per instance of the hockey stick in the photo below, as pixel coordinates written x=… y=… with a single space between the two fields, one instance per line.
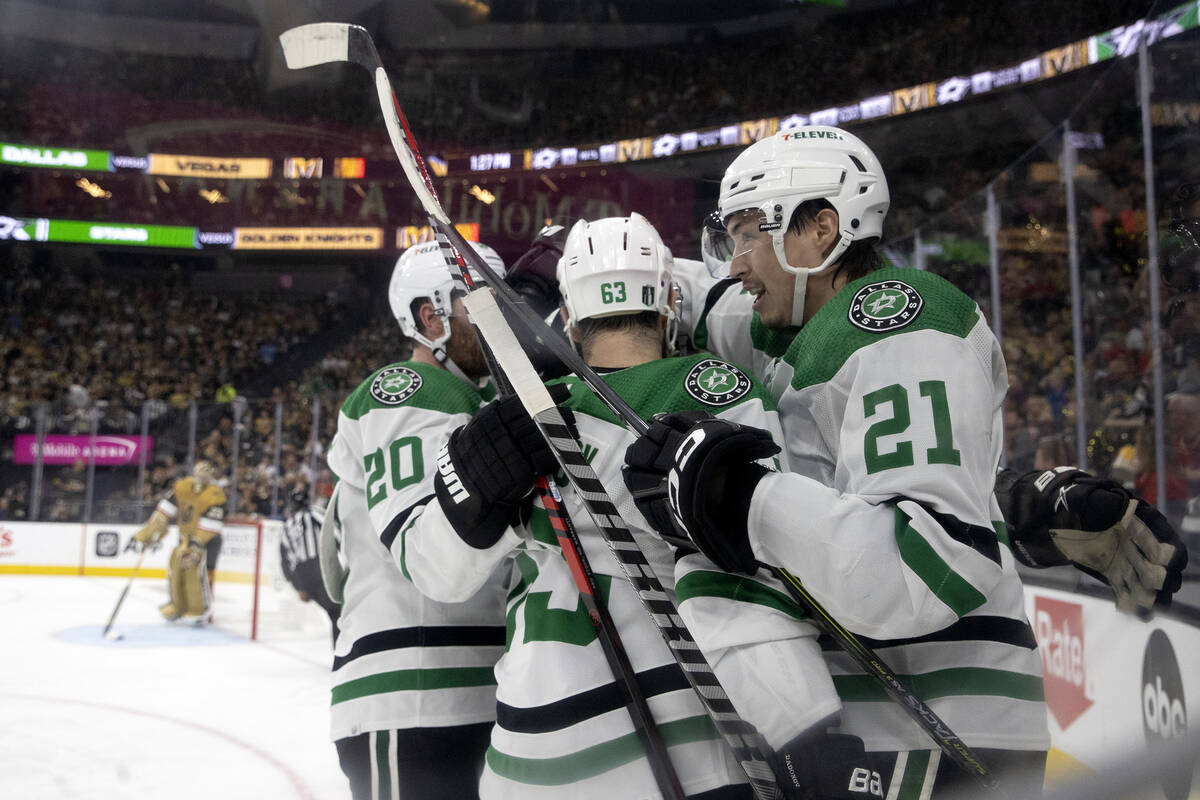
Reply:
x=866 y=658
x=331 y=42
x=121 y=600
x=307 y=46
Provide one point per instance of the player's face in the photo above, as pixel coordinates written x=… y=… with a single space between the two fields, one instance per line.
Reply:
x=757 y=267
x=463 y=347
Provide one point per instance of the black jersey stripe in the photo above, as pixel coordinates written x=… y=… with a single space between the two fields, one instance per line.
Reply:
x=982 y=540
x=423 y=636
x=389 y=533
x=1002 y=630
x=586 y=705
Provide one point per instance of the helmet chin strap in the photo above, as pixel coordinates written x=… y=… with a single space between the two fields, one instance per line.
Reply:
x=438 y=348
x=800 y=292
x=798 y=295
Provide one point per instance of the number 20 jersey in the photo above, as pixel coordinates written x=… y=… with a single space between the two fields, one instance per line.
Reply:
x=402 y=660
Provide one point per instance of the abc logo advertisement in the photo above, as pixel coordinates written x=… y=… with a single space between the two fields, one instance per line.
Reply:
x=1164 y=708
x=1117 y=688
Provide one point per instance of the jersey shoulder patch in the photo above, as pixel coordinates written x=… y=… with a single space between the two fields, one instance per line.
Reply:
x=716 y=383
x=883 y=306
x=393 y=385
x=413 y=384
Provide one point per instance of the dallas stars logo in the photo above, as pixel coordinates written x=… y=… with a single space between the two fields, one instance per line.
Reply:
x=395 y=385
x=885 y=306
x=716 y=383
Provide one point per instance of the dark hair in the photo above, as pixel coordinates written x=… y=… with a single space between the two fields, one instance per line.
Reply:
x=860 y=257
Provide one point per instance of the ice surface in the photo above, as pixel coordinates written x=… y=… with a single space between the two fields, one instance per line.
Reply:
x=169 y=711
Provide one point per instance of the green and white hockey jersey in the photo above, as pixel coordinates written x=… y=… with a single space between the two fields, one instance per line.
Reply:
x=402 y=660
x=562 y=729
x=890 y=399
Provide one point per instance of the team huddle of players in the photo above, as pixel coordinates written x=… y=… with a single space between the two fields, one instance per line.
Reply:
x=831 y=415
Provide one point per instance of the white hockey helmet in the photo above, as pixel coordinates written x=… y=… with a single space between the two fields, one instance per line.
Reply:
x=616 y=265
x=422 y=272
x=775 y=175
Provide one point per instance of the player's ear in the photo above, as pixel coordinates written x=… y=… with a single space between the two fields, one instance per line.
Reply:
x=431 y=323
x=826 y=228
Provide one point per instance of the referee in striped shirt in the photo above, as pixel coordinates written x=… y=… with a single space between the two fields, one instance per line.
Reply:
x=298 y=554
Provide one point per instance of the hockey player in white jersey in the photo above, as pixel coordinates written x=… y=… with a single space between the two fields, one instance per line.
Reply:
x=890 y=395
x=562 y=730
x=413 y=691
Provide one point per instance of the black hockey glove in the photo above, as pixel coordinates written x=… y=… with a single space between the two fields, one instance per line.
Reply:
x=488 y=465
x=1066 y=516
x=694 y=474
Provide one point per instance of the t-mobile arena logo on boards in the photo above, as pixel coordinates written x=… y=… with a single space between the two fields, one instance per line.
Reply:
x=1164 y=709
x=1058 y=626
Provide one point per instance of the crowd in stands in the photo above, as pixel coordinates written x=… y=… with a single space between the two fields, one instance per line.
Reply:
x=103 y=350
x=91 y=344
x=522 y=98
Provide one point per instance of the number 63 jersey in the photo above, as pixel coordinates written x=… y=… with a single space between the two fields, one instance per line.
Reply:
x=402 y=660
x=890 y=399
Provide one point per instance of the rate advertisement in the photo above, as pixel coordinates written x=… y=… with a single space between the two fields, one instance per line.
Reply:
x=1117 y=690
x=108 y=450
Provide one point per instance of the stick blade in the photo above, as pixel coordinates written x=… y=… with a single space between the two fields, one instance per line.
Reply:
x=316 y=43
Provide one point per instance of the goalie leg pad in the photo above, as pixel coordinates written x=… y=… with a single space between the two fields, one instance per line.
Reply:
x=188 y=581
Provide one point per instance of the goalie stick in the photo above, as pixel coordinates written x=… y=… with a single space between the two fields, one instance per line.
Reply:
x=321 y=43
x=306 y=46
x=121 y=600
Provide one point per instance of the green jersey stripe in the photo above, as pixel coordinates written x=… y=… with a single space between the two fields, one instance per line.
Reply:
x=916 y=764
x=403 y=680
x=949 y=587
x=597 y=759
x=705 y=583
x=953 y=682
x=383 y=764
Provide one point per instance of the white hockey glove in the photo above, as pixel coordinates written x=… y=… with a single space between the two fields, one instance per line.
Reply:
x=1066 y=516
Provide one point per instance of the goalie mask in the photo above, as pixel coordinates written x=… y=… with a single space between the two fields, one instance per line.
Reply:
x=616 y=265
x=772 y=177
x=203 y=473
x=422 y=273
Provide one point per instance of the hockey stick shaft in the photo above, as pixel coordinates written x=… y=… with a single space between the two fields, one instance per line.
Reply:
x=121 y=600
x=310 y=45
x=743 y=739
x=871 y=663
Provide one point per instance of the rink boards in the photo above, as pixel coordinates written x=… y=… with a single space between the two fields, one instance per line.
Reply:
x=1118 y=689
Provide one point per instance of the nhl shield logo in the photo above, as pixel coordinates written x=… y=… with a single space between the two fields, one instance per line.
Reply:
x=885 y=306
x=395 y=385
x=716 y=383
